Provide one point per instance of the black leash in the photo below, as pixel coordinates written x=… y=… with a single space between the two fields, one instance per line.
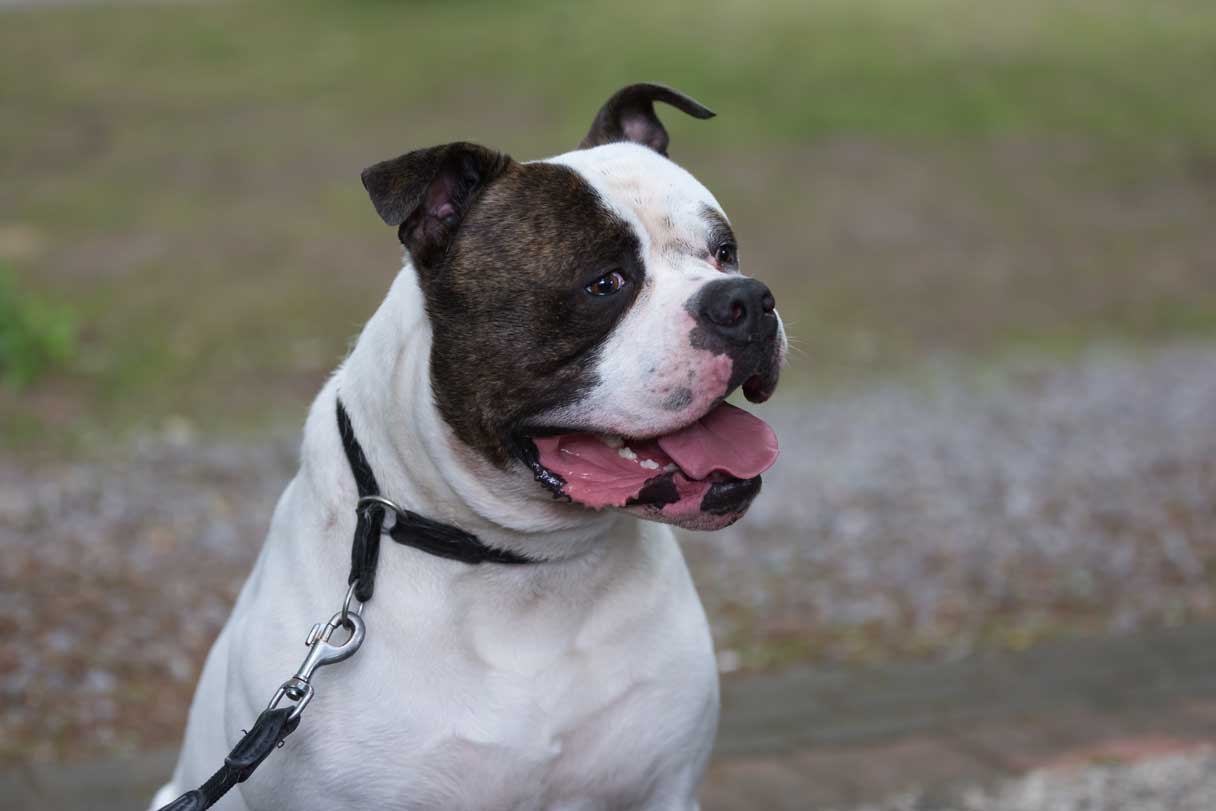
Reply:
x=268 y=732
x=410 y=529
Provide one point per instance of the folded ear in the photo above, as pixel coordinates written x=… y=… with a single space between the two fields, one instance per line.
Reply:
x=426 y=193
x=629 y=116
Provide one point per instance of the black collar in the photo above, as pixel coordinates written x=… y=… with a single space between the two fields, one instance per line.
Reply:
x=409 y=528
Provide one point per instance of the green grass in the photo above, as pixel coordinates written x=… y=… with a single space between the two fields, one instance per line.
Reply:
x=912 y=176
x=35 y=336
x=791 y=70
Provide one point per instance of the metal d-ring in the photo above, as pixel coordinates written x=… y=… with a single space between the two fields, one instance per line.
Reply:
x=369 y=501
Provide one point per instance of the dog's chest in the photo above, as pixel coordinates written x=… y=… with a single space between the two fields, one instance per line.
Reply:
x=482 y=706
x=501 y=739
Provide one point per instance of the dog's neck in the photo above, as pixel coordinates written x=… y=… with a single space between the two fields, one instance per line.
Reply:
x=385 y=385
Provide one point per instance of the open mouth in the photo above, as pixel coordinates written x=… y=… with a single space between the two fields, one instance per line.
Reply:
x=711 y=466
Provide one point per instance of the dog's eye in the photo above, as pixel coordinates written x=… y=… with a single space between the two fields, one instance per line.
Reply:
x=727 y=254
x=607 y=284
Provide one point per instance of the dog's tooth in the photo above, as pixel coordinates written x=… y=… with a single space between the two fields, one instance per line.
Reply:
x=610 y=440
x=628 y=453
x=670 y=467
x=649 y=464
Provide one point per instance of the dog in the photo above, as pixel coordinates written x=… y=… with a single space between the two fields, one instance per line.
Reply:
x=548 y=372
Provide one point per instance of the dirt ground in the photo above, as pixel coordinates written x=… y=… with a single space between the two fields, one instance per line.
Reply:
x=1078 y=724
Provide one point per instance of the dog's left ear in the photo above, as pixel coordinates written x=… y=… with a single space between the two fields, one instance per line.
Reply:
x=629 y=116
x=428 y=192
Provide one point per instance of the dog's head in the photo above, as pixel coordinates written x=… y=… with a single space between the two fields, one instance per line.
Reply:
x=590 y=316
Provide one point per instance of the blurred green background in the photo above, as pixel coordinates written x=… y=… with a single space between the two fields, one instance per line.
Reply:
x=913 y=177
x=996 y=189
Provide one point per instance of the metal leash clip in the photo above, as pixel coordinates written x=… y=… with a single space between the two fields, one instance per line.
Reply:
x=322 y=652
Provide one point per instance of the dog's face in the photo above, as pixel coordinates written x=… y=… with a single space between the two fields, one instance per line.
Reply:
x=590 y=316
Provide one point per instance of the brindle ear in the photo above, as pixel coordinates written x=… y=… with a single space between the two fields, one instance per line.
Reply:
x=426 y=193
x=629 y=116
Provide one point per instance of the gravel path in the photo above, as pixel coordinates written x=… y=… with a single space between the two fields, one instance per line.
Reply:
x=956 y=512
x=1183 y=782
x=929 y=516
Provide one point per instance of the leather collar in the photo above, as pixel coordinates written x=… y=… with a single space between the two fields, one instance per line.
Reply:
x=408 y=528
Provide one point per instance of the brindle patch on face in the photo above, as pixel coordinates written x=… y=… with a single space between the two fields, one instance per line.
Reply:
x=515 y=332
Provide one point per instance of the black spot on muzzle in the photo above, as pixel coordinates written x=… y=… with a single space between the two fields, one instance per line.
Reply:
x=731 y=496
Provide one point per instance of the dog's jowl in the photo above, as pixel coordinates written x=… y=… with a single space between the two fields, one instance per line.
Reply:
x=550 y=365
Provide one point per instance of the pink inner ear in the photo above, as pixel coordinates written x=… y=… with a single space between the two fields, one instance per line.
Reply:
x=646 y=131
x=439 y=198
x=637 y=129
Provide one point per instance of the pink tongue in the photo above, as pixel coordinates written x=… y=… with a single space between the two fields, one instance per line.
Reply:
x=727 y=439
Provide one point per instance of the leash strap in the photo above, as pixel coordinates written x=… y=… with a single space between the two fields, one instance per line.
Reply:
x=268 y=732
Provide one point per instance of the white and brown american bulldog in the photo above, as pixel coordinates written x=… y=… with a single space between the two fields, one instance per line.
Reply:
x=549 y=366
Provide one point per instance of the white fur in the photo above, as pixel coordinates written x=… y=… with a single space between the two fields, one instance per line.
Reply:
x=585 y=683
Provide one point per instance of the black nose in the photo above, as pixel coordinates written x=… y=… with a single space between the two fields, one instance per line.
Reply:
x=739 y=310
